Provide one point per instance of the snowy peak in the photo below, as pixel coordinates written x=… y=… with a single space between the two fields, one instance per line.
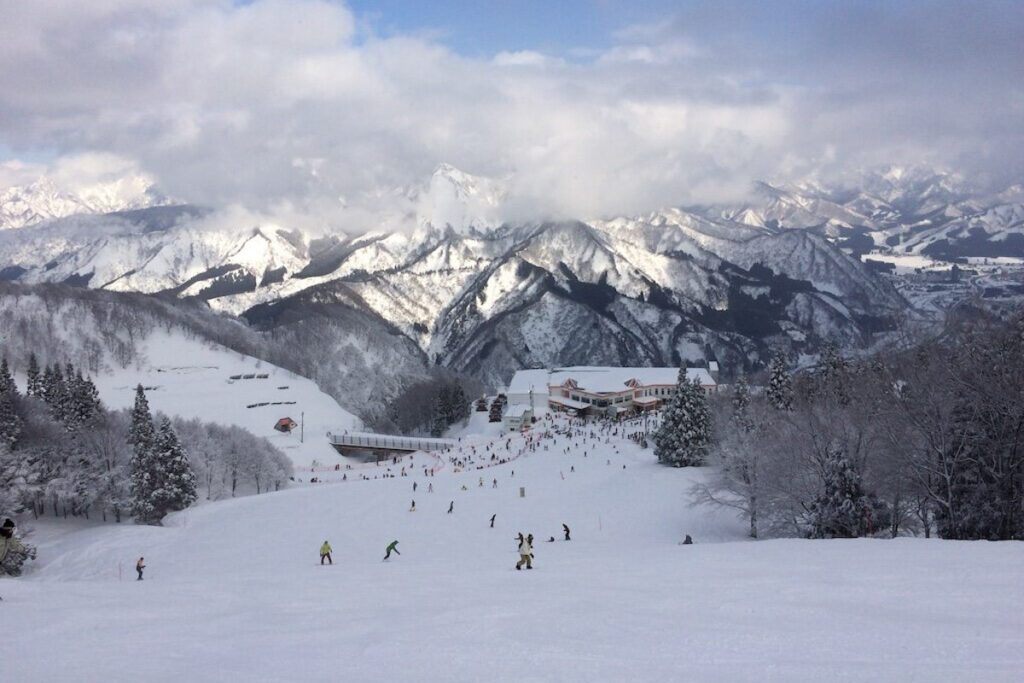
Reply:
x=44 y=199
x=459 y=201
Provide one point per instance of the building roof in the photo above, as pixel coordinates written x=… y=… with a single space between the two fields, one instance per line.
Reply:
x=602 y=380
x=569 y=403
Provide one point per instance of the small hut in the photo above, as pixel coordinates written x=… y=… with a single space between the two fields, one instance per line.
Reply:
x=286 y=425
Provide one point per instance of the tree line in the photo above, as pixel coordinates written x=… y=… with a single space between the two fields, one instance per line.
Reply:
x=925 y=440
x=62 y=452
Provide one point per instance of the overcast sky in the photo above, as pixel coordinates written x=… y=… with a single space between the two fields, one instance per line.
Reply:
x=585 y=108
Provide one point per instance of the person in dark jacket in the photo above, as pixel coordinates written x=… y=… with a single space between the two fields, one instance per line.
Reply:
x=565 y=530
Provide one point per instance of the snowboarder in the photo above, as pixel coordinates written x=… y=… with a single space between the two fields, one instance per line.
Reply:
x=492 y=519
x=565 y=530
x=525 y=552
x=413 y=507
x=13 y=552
x=139 y=566
x=325 y=552
x=451 y=506
x=392 y=547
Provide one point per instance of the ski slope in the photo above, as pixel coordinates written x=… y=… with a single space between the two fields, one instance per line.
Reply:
x=234 y=590
x=190 y=378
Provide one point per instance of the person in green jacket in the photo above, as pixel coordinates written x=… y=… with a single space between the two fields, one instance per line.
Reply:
x=392 y=547
x=325 y=552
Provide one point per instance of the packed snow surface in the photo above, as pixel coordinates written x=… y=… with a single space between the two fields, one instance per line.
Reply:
x=188 y=378
x=234 y=590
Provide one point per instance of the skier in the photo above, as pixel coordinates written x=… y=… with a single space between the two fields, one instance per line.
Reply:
x=494 y=484
x=430 y=487
x=139 y=566
x=392 y=547
x=525 y=552
x=565 y=530
x=492 y=519
x=325 y=552
x=414 y=487
x=413 y=508
x=451 y=506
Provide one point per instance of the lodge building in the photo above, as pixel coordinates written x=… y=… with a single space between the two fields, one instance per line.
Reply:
x=587 y=390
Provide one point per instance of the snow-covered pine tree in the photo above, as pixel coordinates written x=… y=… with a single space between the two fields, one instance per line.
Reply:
x=683 y=437
x=83 y=401
x=35 y=382
x=780 y=384
x=10 y=422
x=145 y=471
x=7 y=385
x=177 y=489
x=55 y=392
x=842 y=510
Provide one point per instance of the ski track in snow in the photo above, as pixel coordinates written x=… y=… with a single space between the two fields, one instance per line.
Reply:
x=233 y=590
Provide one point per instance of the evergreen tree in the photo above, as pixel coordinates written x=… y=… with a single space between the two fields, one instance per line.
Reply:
x=780 y=384
x=842 y=510
x=683 y=437
x=35 y=382
x=7 y=385
x=83 y=401
x=55 y=392
x=10 y=422
x=176 y=489
x=146 y=477
x=460 y=403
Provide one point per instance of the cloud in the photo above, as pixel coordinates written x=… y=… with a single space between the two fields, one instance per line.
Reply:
x=295 y=107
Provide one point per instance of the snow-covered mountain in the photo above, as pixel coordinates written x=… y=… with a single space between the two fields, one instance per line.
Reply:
x=898 y=210
x=43 y=199
x=475 y=294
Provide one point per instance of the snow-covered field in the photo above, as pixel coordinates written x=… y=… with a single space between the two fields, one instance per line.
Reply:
x=234 y=589
x=193 y=379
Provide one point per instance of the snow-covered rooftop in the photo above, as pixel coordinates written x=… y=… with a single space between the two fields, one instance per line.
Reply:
x=601 y=379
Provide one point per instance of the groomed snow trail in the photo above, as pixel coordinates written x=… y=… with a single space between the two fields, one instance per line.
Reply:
x=234 y=589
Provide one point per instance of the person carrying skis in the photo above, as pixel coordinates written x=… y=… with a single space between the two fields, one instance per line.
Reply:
x=525 y=552
x=139 y=566
x=565 y=530
x=325 y=552
x=392 y=548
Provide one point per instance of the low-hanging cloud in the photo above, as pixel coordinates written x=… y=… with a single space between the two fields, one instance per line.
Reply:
x=295 y=104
